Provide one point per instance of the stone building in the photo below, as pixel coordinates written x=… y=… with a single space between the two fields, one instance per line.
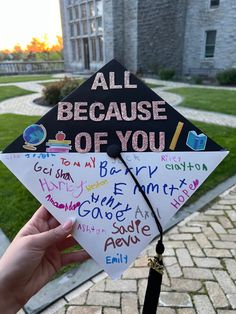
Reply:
x=189 y=36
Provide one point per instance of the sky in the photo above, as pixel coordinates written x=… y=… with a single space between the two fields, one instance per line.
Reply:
x=20 y=20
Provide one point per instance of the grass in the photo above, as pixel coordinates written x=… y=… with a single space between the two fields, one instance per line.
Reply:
x=12 y=91
x=24 y=78
x=225 y=137
x=17 y=204
x=223 y=101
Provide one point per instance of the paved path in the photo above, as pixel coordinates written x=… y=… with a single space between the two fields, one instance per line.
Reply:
x=208 y=117
x=200 y=271
x=194 y=114
x=24 y=104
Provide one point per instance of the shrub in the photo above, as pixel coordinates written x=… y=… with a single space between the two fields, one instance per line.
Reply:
x=51 y=94
x=55 y=92
x=227 y=77
x=68 y=87
x=197 y=79
x=166 y=74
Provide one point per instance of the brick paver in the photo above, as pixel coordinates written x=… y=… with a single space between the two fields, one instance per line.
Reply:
x=199 y=276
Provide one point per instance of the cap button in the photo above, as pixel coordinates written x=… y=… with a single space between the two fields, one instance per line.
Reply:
x=113 y=151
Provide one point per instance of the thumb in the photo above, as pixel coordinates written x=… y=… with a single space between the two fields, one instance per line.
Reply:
x=48 y=238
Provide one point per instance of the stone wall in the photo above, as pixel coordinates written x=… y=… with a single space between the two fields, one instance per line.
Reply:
x=65 y=36
x=120 y=32
x=108 y=30
x=26 y=67
x=201 y=18
x=161 y=25
x=130 y=34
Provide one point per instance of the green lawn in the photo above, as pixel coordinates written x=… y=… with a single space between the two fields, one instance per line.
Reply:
x=17 y=204
x=24 y=78
x=225 y=137
x=12 y=91
x=208 y=99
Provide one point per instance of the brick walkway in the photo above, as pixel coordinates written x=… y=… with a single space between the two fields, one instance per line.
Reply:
x=200 y=275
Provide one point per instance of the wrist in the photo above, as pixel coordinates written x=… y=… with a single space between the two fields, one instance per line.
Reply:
x=8 y=304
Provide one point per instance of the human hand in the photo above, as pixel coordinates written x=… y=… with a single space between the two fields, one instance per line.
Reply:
x=33 y=257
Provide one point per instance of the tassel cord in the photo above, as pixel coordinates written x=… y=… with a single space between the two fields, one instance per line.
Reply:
x=145 y=197
x=156 y=265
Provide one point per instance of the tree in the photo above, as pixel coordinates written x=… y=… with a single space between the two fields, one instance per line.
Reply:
x=56 y=50
x=17 y=52
x=58 y=46
x=37 y=49
x=36 y=45
x=5 y=54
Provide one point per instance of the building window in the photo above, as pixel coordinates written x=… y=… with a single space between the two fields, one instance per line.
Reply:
x=73 y=48
x=76 y=8
x=92 y=26
x=78 y=29
x=79 y=49
x=70 y=12
x=210 y=44
x=99 y=7
x=83 y=11
x=215 y=3
x=91 y=9
x=99 y=23
x=85 y=28
x=100 y=45
x=93 y=47
x=71 y=30
x=86 y=31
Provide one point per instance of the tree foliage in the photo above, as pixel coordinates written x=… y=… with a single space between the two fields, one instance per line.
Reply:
x=36 y=50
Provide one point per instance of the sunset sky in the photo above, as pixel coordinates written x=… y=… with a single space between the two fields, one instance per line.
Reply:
x=20 y=20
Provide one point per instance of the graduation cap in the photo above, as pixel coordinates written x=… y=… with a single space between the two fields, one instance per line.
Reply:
x=119 y=159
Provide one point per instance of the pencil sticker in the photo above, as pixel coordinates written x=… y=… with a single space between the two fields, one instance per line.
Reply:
x=176 y=136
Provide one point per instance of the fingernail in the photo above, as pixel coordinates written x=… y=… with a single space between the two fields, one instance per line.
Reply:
x=69 y=224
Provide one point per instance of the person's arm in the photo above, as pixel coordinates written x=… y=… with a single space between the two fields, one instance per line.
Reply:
x=8 y=304
x=33 y=257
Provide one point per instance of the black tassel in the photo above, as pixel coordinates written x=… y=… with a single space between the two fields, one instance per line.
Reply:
x=154 y=281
